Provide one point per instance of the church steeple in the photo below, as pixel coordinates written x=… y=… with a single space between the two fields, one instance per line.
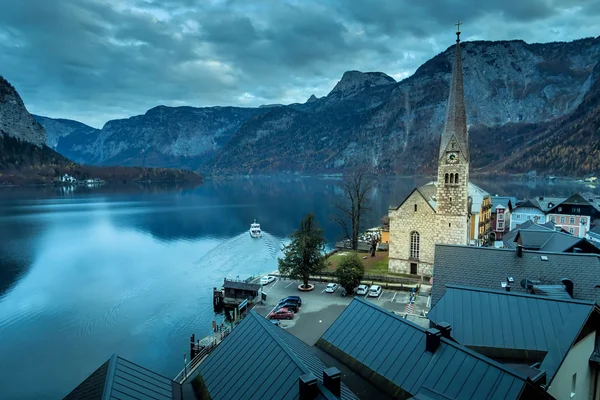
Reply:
x=455 y=127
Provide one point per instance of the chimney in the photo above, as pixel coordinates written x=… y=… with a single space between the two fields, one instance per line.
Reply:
x=309 y=390
x=519 y=250
x=332 y=379
x=568 y=286
x=432 y=339
x=445 y=329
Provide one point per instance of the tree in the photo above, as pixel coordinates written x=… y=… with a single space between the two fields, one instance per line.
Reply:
x=357 y=186
x=304 y=256
x=350 y=272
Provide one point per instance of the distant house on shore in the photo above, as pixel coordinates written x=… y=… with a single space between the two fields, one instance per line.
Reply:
x=67 y=179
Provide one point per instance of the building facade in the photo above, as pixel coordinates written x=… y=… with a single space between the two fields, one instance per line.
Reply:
x=419 y=223
x=575 y=214
x=529 y=210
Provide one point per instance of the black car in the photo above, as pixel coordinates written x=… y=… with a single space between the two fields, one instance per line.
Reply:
x=296 y=299
x=290 y=305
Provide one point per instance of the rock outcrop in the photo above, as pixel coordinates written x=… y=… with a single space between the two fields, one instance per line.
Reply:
x=15 y=120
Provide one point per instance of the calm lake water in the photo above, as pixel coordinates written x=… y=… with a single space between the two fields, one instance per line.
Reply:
x=92 y=272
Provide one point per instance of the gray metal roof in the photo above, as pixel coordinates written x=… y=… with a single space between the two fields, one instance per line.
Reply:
x=511 y=325
x=487 y=267
x=118 y=378
x=241 y=285
x=392 y=350
x=503 y=201
x=259 y=360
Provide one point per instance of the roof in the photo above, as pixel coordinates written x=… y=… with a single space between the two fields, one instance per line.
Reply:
x=503 y=201
x=546 y=203
x=487 y=267
x=537 y=237
x=530 y=203
x=579 y=199
x=241 y=285
x=259 y=360
x=512 y=325
x=595 y=230
x=455 y=126
x=429 y=192
x=392 y=351
x=118 y=378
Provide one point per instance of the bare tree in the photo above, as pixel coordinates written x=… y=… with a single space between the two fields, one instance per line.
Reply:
x=351 y=211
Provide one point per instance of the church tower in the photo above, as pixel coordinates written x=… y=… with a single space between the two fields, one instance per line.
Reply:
x=453 y=163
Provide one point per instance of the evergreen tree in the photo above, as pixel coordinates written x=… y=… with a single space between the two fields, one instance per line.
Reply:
x=350 y=272
x=304 y=256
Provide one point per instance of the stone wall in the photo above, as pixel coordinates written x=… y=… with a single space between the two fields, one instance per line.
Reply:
x=403 y=222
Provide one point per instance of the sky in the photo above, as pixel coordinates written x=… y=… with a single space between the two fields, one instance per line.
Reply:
x=97 y=60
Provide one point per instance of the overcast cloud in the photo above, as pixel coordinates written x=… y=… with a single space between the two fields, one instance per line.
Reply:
x=96 y=60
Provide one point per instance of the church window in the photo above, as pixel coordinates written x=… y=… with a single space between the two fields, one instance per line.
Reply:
x=446 y=179
x=449 y=224
x=414 y=245
x=451 y=178
x=456 y=178
x=415 y=208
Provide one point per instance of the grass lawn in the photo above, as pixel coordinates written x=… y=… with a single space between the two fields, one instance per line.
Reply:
x=377 y=265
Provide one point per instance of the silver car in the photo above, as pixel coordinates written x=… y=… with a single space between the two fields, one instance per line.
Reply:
x=331 y=287
x=362 y=290
x=374 y=291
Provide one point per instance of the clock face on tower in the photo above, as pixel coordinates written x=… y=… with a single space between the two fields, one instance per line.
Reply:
x=452 y=157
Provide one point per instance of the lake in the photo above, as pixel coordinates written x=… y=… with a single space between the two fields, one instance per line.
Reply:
x=86 y=273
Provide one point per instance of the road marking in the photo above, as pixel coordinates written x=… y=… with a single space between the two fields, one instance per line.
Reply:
x=393 y=298
x=289 y=284
x=323 y=291
x=381 y=294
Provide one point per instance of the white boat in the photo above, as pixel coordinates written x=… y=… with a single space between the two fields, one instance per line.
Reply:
x=255 y=231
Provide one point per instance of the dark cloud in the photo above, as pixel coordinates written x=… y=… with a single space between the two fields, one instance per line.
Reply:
x=95 y=60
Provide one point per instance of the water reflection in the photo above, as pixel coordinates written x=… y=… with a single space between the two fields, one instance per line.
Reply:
x=129 y=270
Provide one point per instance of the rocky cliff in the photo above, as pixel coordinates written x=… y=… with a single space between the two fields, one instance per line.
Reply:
x=367 y=118
x=57 y=128
x=14 y=118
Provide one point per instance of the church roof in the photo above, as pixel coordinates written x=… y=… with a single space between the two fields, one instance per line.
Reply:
x=429 y=193
x=456 y=117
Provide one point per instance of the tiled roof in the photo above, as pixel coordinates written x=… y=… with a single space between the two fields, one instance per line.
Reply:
x=487 y=267
x=512 y=325
x=120 y=379
x=392 y=352
x=259 y=360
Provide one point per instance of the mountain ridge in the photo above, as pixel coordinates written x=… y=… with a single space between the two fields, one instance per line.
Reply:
x=367 y=118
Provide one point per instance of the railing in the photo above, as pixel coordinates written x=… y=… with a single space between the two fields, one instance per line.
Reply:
x=198 y=358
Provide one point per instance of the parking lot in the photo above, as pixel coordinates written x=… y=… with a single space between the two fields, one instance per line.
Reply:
x=320 y=309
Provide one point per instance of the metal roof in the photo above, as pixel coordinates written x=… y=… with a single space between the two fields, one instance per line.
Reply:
x=259 y=360
x=503 y=201
x=241 y=285
x=120 y=379
x=487 y=267
x=392 y=351
x=513 y=325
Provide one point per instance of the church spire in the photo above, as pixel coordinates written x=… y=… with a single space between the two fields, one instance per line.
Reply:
x=455 y=127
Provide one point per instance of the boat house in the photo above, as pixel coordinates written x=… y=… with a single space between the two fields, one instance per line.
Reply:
x=235 y=292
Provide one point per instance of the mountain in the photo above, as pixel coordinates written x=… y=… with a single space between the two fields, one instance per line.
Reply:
x=512 y=88
x=26 y=159
x=57 y=128
x=14 y=121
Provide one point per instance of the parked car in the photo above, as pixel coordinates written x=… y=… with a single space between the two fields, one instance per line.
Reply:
x=290 y=305
x=288 y=301
x=282 y=313
x=374 y=291
x=265 y=280
x=297 y=299
x=331 y=287
x=362 y=290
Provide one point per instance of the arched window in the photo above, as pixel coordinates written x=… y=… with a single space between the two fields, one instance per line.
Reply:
x=456 y=178
x=446 y=179
x=451 y=178
x=414 y=245
x=415 y=208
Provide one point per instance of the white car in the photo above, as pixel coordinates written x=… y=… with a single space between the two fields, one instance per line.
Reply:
x=362 y=290
x=331 y=287
x=374 y=291
x=265 y=280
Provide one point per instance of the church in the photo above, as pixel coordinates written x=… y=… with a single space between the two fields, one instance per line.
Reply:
x=436 y=212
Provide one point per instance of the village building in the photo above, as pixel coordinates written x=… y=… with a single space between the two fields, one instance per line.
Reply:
x=551 y=340
x=420 y=222
x=594 y=235
x=495 y=219
x=575 y=214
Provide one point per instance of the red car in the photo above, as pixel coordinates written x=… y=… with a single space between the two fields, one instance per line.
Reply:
x=282 y=313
